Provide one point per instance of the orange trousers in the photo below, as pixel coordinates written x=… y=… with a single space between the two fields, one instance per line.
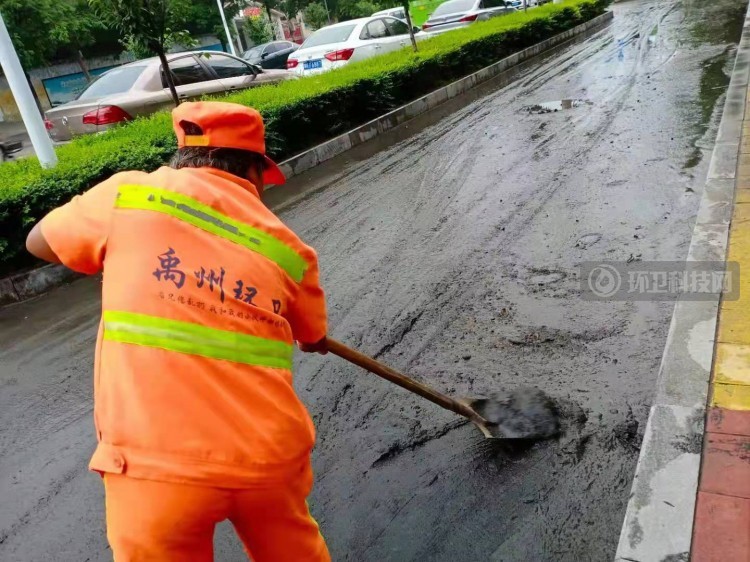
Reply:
x=165 y=522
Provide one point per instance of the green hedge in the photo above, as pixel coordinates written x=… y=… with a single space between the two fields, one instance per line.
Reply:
x=298 y=113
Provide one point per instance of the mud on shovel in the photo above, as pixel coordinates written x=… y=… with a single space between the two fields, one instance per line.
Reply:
x=525 y=413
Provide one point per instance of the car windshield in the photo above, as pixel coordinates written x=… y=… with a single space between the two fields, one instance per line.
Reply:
x=327 y=35
x=115 y=81
x=255 y=52
x=453 y=6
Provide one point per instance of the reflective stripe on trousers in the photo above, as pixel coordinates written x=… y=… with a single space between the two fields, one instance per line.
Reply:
x=195 y=339
x=200 y=215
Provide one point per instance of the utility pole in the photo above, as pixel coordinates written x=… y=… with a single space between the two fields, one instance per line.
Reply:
x=21 y=91
x=226 y=28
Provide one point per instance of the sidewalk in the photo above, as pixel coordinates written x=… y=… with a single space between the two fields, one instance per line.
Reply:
x=722 y=516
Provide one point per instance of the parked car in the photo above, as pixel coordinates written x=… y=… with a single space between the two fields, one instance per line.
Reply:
x=140 y=88
x=460 y=13
x=518 y=4
x=270 y=55
x=336 y=45
x=393 y=12
x=8 y=148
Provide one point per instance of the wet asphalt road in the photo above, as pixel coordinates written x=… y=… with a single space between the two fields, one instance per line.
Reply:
x=452 y=255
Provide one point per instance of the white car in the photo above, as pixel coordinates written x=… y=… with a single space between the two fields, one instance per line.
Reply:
x=393 y=12
x=518 y=4
x=455 y=14
x=336 y=45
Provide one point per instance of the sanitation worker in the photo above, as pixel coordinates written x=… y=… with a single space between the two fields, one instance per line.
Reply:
x=204 y=292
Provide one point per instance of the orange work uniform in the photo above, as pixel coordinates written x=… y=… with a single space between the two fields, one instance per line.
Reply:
x=204 y=292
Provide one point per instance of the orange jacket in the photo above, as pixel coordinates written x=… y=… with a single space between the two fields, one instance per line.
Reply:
x=204 y=292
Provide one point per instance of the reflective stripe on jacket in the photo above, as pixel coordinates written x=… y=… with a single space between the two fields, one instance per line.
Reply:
x=204 y=291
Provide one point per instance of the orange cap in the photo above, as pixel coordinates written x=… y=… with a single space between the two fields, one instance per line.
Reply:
x=226 y=125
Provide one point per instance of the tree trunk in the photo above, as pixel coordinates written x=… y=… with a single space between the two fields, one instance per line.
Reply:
x=168 y=75
x=236 y=38
x=84 y=66
x=411 y=27
x=33 y=93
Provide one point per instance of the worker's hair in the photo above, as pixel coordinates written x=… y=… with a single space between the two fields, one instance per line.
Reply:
x=236 y=162
x=232 y=160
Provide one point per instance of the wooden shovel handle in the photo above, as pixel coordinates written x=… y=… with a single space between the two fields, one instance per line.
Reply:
x=378 y=368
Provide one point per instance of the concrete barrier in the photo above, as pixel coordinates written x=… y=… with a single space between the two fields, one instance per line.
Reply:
x=34 y=282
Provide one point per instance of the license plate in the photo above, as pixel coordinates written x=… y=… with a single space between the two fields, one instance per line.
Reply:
x=312 y=64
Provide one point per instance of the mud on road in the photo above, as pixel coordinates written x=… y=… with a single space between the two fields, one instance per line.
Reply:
x=452 y=255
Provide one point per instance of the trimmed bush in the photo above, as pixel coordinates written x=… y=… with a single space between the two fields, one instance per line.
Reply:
x=298 y=113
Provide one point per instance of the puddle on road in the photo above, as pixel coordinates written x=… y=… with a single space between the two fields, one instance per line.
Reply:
x=553 y=106
x=545 y=279
x=653 y=36
x=714 y=82
x=716 y=23
x=713 y=23
x=545 y=276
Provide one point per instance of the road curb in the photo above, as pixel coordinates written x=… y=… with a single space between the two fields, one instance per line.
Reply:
x=38 y=281
x=658 y=522
x=31 y=283
x=338 y=145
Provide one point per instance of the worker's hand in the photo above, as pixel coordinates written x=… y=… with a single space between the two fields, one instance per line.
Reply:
x=317 y=347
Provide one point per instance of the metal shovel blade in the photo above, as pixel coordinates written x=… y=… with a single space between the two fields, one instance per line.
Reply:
x=524 y=413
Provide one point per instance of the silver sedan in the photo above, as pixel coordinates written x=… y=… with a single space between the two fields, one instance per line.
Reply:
x=460 y=13
x=139 y=88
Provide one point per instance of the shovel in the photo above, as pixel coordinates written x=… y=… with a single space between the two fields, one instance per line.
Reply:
x=525 y=413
